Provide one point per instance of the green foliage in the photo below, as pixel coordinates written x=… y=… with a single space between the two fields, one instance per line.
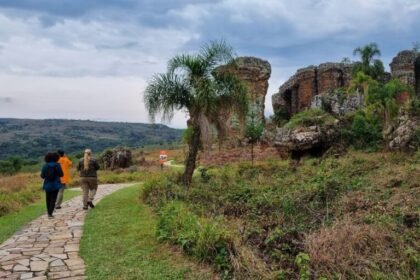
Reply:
x=414 y=107
x=280 y=117
x=187 y=135
x=203 y=238
x=368 y=65
x=365 y=133
x=29 y=140
x=309 y=118
x=254 y=130
x=273 y=208
x=302 y=261
x=11 y=165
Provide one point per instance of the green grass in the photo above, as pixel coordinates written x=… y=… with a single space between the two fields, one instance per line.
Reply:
x=11 y=223
x=119 y=242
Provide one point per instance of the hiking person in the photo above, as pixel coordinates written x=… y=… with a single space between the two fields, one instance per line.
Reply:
x=51 y=173
x=87 y=167
x=65 y=164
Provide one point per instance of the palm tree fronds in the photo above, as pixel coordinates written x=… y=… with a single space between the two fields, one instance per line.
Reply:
x=165 y=94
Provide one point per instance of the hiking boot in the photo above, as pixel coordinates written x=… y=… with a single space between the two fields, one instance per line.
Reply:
x=58 y=207
x=85 y=208
x=50 y=216
x=91 y=204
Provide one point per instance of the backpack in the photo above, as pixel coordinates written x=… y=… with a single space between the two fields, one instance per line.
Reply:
x=50 y=173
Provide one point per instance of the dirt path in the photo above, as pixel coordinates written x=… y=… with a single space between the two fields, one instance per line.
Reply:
x=48 y=248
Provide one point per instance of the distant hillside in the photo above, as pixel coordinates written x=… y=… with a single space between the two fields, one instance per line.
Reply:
x=32 y=138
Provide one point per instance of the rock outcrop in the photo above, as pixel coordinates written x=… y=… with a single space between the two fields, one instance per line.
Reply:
x=404 y=135
x=406 y=67
x=337 y=103
x=306 y=139
x=297 y=93
x=116 y=158
x=254 y=72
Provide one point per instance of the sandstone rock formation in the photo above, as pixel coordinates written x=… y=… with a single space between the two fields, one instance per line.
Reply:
x=116 y=158
x=298 y=92
x=254 y=72
x=406 y=67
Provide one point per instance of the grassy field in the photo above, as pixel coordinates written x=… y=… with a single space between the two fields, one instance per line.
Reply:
x=352 y=217
x=119 y=243
x=11 y=223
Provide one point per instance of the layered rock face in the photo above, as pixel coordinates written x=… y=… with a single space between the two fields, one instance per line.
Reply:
x=116 y=158
x=254 y=72
x=406 y=67
x=298 y=92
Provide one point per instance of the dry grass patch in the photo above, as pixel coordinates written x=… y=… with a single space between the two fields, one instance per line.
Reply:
x=353 y=251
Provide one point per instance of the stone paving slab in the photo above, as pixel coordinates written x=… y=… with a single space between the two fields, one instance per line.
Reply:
x=48 y=248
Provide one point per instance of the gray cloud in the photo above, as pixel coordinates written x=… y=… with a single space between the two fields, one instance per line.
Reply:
x=129 y=38
x=6 y=100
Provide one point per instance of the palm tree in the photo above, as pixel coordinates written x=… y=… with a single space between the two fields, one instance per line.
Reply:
x=195 y=84
x=368 y=65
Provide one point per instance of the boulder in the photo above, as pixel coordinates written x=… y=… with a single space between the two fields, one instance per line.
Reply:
x=302 y=139
x=116 y=158
x=404 y=135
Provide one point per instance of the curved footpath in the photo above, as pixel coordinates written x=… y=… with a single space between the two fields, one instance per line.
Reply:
x=48 y=248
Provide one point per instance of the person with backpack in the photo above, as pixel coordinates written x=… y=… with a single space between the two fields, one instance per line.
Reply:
x=88 y=168
x=51 y=173
x=65 y=164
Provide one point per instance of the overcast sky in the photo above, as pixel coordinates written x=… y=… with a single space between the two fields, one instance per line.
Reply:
x=91 y=59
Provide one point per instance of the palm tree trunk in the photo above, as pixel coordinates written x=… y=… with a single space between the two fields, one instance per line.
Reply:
x=193 y=147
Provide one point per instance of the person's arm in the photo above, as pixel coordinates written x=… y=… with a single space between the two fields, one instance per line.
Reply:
x=96 y=165
x=43 y=172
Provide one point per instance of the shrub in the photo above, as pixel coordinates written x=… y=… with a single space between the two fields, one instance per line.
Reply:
x=159 y=189
x=365 y=133
x=310 y=117
x=11 y=165
x=280 y=117
x=203 y=238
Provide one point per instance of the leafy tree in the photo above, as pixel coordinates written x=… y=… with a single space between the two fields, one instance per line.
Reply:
x=382 y=99
x=253 y=132
x=368 y=65
x=194 y=84
x=360 y=82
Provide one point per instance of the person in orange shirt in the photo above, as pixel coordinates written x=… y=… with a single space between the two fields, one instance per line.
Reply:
x=65 y=163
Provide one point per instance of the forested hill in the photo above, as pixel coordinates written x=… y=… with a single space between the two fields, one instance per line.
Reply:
x=32 y=138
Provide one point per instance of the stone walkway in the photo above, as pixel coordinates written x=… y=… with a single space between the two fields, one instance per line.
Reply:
x=48 y=248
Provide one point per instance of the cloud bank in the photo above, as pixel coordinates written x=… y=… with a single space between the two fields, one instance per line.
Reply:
x=69 y=53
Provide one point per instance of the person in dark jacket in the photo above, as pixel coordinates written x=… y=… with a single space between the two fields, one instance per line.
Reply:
x=87 y=168
x=51 y=173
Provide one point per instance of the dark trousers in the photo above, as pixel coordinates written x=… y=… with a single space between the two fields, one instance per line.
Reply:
x=51 y=197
